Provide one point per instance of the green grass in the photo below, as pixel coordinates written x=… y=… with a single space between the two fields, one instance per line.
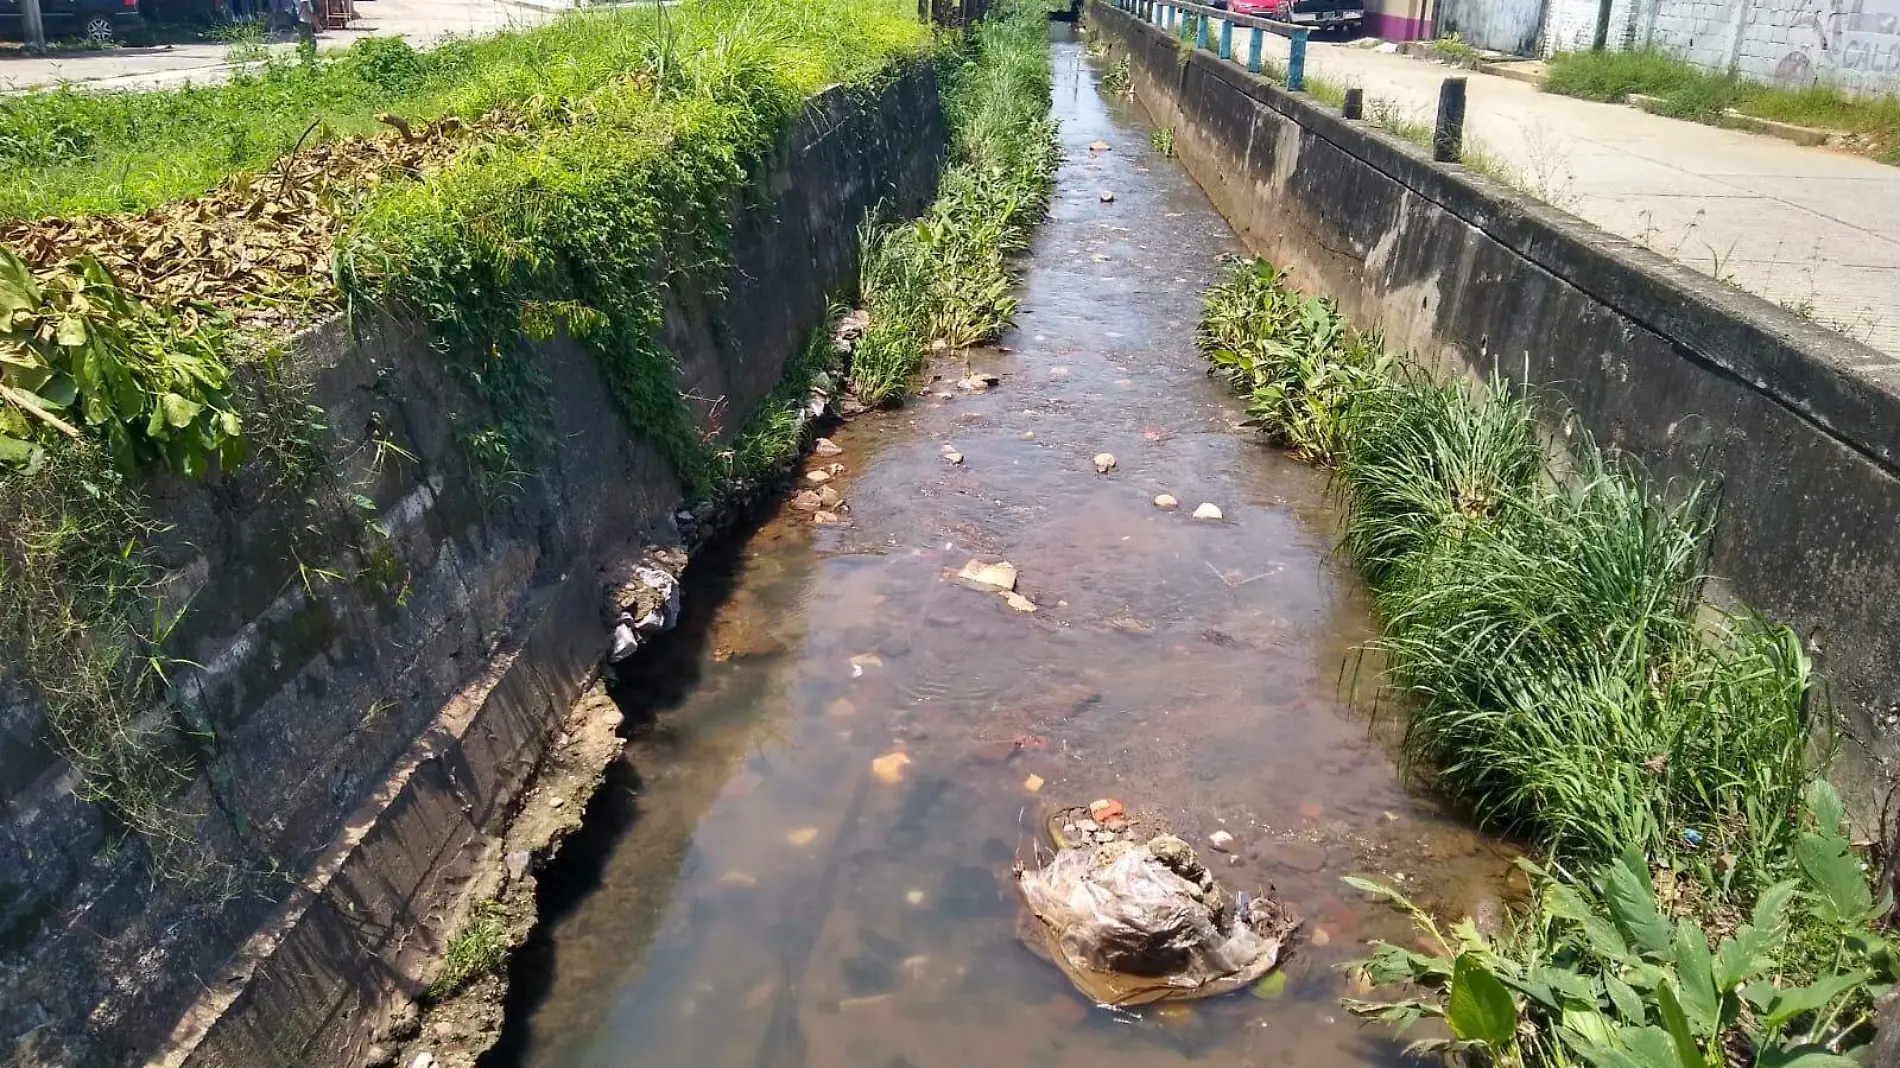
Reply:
x=1689 y=92
x=615 y=192
x=480 y=948
x=948 y=277
x=1543 y=617
x=69 y=151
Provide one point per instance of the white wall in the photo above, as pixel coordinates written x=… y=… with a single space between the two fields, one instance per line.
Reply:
x=1852 y=44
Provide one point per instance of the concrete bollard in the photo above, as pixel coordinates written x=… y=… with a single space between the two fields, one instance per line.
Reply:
x=1355 y=106
x=1448 y=134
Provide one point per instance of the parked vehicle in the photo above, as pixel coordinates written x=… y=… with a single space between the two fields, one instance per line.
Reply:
x=93 y=20
x=1345 y=15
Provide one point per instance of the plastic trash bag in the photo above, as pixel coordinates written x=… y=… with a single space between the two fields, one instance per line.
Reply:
x=1132 y=924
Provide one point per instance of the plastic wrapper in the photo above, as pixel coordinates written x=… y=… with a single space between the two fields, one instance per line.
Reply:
x=1132 y=924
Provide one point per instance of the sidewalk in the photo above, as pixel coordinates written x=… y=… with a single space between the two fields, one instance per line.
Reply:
x=1814 y=230
x=420 y=21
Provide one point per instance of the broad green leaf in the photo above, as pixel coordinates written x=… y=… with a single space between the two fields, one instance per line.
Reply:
x=1770 y=905
x=71 y=331
x=18 y=290
x=1788 y=1004
x=179 y=411
x=1833 y=873
x=15 y=452
x=1650 y=1045
x=1593 y=1027
x=1824 y=804
x=1564 y=902
x=1632 y=903
x=1627 y=1003
x=1804 y=1057
x=1700 y=1000
x=1479 y=1008
x=60 y=391
x=1688 y=1054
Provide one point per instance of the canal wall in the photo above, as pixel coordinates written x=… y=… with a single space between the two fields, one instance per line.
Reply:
x=381 y=647
x=1799 y=426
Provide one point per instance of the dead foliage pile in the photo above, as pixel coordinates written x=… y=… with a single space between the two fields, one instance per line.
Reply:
x=257 y=246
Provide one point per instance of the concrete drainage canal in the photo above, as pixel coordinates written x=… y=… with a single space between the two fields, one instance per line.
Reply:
x=805 y=855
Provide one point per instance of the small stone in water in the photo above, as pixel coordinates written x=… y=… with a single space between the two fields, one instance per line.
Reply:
x=1098 y=146
x=1166 y=502
x=1104 y=462
x=807 y=501
x=818 y=477
x=1222 y=841
x=994 y=578
x=1320 y=937
x=1108 y=197
x=1106 y=808
x=890 y=766
x=953 y=458
x=738 y=878
x=841 y=708
x=1208 y=511
x=803 y=836
x=825 y=518
x=1033 y=784
x=914 y=897
x=826 y=447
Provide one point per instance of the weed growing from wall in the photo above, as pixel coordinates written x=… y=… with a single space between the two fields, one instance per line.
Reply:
x=947 y=278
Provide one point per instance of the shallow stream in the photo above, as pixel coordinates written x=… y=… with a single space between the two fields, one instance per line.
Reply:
x=748 y=893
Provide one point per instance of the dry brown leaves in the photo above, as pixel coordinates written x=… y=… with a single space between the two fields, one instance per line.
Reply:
x=259 y=245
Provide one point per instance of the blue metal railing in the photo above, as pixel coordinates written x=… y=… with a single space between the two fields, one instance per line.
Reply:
x=1182 y=18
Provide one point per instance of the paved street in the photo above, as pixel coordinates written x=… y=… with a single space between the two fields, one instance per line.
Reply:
x=421 y=21
x=1809 y=228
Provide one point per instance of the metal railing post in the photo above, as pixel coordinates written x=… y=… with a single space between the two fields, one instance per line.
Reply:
x=1253 y=50
x=1200 y=30
x=1226 y=39
x=1448 y=134
x=1296 y=61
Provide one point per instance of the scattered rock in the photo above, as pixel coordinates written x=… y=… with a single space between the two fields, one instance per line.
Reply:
x=557 y=802
x=841 y=708
x=1086 y=826
x=940 y=345
x=990 y=578
x=742 y=880
x=818 y=476
x=1208 y=511
x=1320 y=937
x=953 y=457
x=1104 y=462
x=1099 y=146
x=807 y=501
x=1018 y=602
x=1221 y=841
x=826 y=518
x=378 y=1057
x=829 y=498
x=978 y=382
x=804 y=836
x=1300 y=856
x=1166 y=502
x=425 y=1059
x=826 y=447
x=1029 y=435
x=1033 y=784
x=914 y=897
x=1108 y=197
x=1106 y=808
x=890 y=766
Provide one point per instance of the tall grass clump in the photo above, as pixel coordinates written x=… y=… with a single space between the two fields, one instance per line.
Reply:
x=1542 y=614
x=947 y=277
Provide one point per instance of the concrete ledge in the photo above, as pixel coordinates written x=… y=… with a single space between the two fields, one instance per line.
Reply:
x=1799 y=426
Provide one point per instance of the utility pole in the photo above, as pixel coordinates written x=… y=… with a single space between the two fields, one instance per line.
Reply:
x=34 y=26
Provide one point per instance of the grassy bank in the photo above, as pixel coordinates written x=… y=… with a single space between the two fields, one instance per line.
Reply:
x=1543 y=620
x=947 y=278
x=1689 y=92
x=596 y=165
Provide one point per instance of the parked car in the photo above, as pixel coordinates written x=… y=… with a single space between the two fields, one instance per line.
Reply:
x=1345 y=15
x=94 y=20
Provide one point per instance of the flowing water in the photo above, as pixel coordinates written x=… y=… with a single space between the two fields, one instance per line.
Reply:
x=748 y=893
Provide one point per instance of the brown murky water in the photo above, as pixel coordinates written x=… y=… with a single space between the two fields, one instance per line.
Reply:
x=749 y=894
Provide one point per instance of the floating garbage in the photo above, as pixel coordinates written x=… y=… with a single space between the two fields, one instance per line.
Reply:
x=1132 y=923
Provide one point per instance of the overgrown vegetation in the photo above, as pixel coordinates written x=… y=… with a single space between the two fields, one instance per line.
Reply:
x=1452 y=49
x=596 y=168
x=1689 y=92
x=1161 y=139
x=947 y=278
x=1543 y=618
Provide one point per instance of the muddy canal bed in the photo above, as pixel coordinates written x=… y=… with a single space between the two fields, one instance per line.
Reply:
x=751 y=891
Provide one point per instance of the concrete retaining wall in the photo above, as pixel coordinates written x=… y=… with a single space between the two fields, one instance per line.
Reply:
x=372 y=696
x=1798 y=425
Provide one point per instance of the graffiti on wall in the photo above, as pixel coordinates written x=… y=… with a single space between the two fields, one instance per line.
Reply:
x=1851 y=43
